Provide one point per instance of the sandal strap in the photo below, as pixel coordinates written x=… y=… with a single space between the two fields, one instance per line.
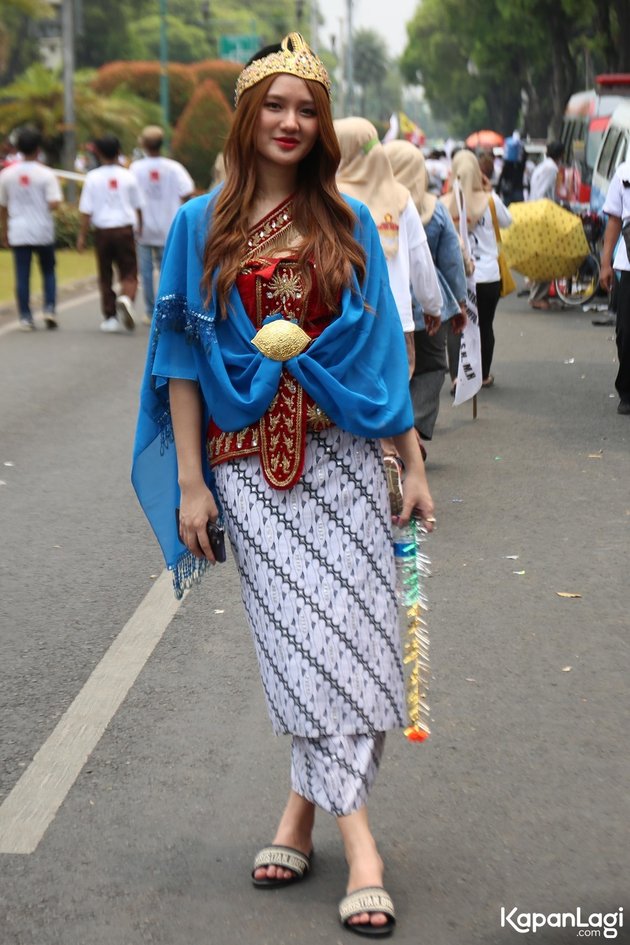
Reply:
x=369 y=899
x=285 y=857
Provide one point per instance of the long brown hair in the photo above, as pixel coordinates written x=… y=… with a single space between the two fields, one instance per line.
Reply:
x=321 y=215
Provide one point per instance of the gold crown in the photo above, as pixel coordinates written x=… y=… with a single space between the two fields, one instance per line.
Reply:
x=299 y=60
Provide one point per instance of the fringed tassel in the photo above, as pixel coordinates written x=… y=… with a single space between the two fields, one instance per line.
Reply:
x=188 y=571
x=416 y=569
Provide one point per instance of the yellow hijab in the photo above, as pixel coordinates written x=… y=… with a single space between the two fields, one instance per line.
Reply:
x=465 y=168
x=409 y=169
x=365 y=173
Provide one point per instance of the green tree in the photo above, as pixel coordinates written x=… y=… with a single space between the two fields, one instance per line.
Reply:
x=36 y=99
x=476 y=58
x=186 y=42
x=18 y=45
x=371 y=65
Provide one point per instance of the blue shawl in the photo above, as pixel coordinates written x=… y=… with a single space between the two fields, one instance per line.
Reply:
x=356 y=370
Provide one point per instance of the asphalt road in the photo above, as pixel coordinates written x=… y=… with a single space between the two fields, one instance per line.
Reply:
x=519 y=799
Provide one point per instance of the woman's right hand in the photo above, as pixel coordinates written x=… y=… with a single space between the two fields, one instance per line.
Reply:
x=196 y=507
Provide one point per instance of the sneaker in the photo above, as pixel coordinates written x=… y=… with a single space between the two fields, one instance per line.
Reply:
x=50 y=320
x=112 y=325
x=394 y=483
x=27 y=324
x=125 y=311
x=624 y=407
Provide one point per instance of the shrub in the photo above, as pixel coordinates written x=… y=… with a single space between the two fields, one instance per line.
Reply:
x=143 y=78
x=201 y=132
x=223 y=72
x=67 y=224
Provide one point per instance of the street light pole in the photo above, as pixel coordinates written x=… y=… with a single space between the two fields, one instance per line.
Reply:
x=164 y=89
x=350 y=61
x=69 y=151
x=314 y=25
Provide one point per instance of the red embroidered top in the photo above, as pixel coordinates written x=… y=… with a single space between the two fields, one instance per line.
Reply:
x=268 y=285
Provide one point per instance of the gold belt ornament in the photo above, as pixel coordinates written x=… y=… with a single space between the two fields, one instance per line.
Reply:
x=281 y=340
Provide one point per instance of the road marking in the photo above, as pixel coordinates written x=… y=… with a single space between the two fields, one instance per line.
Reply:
x=33 y=803
x=62 y=307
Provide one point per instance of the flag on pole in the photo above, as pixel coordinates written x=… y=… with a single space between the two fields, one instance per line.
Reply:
x=401 y=126
x=410 y=131
x=469 y=371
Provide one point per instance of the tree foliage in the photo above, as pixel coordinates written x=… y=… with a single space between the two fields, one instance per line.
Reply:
x=143 y=79
x=376 y=76
x=201 y=132
x=36 y=99
x=481 y=60
x=222 y=72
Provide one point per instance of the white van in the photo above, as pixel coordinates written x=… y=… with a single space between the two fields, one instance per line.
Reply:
x=614 y=149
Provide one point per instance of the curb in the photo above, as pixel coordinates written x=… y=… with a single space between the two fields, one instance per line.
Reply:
x=65 y=291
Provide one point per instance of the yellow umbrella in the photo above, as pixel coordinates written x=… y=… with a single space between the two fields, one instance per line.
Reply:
x=544 y=241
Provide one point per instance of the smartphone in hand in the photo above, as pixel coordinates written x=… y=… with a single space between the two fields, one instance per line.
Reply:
x=216 y=537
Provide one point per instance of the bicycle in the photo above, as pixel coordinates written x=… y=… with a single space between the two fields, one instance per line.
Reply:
x=582 y=285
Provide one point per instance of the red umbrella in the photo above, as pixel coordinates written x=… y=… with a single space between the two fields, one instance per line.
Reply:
x=484 y=139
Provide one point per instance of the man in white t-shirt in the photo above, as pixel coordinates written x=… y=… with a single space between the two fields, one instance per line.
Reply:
x=164 y=184
x=111 y=202
x=29 y=192
x=617 y=206
x=543 y=182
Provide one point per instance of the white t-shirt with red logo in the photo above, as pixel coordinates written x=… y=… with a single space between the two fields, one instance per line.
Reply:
x=163 y=184
x=617 y=203
x=111 y=197
x=26 y=189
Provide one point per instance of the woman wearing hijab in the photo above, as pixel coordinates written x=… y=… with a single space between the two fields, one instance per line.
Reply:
x=365 y=174
x=483 y=243
x=408 y=165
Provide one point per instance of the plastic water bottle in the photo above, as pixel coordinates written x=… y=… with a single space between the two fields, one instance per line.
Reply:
x=404 y=553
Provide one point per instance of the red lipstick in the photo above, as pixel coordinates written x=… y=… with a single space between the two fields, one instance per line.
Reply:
x=287 y=143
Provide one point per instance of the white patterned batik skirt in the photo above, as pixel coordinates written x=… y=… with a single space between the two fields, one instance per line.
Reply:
x=318 y=584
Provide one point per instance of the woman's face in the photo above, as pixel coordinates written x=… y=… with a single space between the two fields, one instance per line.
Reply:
x=288 y=126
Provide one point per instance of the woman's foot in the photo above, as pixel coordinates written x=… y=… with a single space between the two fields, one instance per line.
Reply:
x=488 y=381
x=364 y=862
x=294 y=830
x=366 y=869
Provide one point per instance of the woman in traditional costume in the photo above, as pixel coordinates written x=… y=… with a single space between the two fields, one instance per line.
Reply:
x=481 y=204
x=407 y=162
x=276 y=362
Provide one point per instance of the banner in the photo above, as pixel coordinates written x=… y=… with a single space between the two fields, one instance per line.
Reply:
x=469 y=371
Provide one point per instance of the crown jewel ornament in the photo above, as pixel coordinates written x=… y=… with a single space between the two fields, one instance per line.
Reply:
x=299 y=60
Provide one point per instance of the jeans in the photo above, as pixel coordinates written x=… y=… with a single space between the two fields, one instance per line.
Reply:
x=22 y=256
x=149 y=258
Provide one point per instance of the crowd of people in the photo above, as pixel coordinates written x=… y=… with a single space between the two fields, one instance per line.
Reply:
x=128 y=210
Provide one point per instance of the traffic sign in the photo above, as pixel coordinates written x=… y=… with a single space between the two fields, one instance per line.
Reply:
x=238 y=48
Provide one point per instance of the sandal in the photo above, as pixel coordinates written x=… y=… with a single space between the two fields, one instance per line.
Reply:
x=369 y=899
x=287 y=858
x=489 y=381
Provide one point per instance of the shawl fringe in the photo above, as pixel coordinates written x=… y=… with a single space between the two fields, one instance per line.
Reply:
x=187 y=570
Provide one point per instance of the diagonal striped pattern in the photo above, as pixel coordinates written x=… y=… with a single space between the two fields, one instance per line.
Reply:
x=317 y=580
x=336 y=772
